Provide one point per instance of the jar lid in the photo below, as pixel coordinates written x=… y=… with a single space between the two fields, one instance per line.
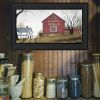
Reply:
x=86 y=65
x=74 y=77
x=51 y=79
x=96 y=54
x=62 y=79
x=38 y=74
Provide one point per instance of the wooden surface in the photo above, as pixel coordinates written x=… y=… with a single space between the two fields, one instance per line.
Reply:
x=64 y=99
x=51 y=62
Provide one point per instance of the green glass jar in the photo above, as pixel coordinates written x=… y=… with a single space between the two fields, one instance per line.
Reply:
x=4 y=89
x=96 y=70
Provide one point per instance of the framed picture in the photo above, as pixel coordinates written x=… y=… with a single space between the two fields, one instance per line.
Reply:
x=50 y=26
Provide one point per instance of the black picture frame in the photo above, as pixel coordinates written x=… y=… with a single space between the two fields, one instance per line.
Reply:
x=50 y=46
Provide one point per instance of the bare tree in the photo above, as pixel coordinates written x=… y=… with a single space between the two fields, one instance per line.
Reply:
x=20 y=25
x=19 y=12
x=72 y=20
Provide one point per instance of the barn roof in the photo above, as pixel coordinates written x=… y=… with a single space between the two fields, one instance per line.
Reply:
x=54 y=15
x=24 y=30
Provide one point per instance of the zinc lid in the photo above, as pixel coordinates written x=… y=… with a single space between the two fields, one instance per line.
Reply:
x=96 y=54
x=62 y=79
x=86 y=65
x=74 y=77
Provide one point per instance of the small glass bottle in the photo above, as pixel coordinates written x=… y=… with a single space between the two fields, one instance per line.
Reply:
x=87 y=80
x=4 y=89
x=38 y=86
x=51 y=88
x=96 y=71
x=27 y=73
x=74 y=86
x=62 y=88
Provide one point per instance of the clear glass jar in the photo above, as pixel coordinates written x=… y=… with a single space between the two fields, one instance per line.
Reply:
x=51 y=88
x=74 y=86
x=27 y=73
x=38 y=86
x=87 y=80
x=62 y=87
x=4 y=89
x=96 y=70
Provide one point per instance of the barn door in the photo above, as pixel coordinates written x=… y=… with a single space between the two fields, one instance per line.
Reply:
x=53 y=28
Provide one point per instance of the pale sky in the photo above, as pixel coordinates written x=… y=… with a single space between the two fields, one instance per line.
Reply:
x=34 y=18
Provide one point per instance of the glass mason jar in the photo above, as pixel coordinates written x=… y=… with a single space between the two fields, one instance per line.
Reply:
x=96 y=70
x=62 y=88
x=4 y=89
x=51 y=88
x=4 y=60
x=38 y=86
x=74 y=86
x=87 y=80
x=27 y=73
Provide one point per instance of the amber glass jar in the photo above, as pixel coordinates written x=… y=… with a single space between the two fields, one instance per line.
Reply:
x=96 y=70
x=38 y=86
x=87 y=80
x=27 y=73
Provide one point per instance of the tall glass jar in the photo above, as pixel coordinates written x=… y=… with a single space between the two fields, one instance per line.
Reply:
x=38 y=86
x=87 y=80
x=62 y=88
x=96 y=70
x=51 y=88
x=27 y=73
x=4 y=89
x=74 y=86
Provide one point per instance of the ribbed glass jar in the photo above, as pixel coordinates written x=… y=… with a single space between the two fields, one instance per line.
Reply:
x=4 y=89
x=87 y=80
x=38 y=86
x=74 y=86
x=51 y=88
x=96 y=70
x=62 y=87
x=27 y=73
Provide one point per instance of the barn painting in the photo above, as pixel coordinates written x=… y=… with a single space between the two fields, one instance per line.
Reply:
x=49 y=26
x=53 y=24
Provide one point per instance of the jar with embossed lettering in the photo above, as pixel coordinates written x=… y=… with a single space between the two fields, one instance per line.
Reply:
x=27 y=73
x=62 y=87
x=51 y=88
x=38 y=86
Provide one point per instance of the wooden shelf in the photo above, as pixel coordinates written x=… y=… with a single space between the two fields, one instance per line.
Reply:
x=63 y=99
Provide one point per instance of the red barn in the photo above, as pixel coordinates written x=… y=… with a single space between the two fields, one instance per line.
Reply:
x=53 y=24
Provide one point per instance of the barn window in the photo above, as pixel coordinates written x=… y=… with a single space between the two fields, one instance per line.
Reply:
x=53 y=28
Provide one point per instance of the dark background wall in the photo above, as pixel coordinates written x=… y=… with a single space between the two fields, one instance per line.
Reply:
x=52 y=62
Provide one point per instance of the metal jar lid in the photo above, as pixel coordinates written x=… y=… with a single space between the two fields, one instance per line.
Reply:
x=86 y=65
x=51 y=80
x=38 y=74
x=27 y=56
x=96 y=54
x=74 y=77
x=62 y=79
